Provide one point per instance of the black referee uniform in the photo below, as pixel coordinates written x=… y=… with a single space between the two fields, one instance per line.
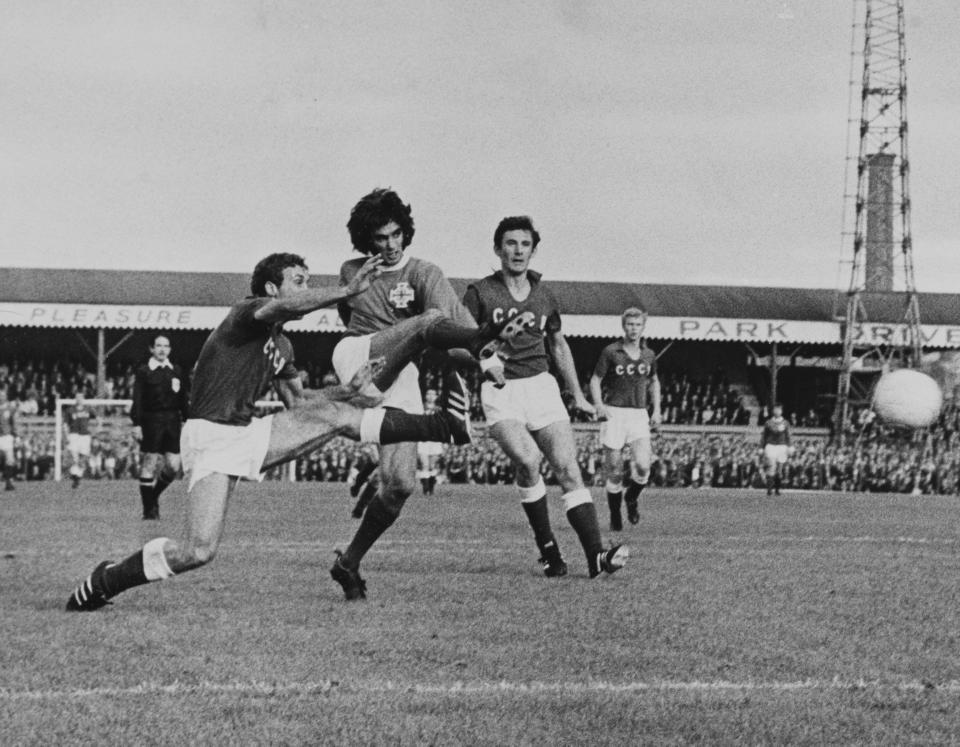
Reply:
x=161 y=395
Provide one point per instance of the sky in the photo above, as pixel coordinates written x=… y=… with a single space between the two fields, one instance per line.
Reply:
x=652 y=141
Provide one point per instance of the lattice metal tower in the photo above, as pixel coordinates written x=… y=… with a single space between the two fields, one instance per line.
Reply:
x=881 y=210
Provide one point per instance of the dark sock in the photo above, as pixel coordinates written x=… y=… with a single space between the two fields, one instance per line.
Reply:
x=614 y=500
x=432 y=483
x=583 y=519
x=400 y=427
x=362 y=476
x=363 y=500
x=164 y=481
x=633 y=490
x=124 y=575
x=376 y=520
x=539 y=518
x=425 y=485
x=146 y=495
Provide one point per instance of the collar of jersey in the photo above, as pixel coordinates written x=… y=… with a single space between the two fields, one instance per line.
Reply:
x=399 y=266
x=154 y=364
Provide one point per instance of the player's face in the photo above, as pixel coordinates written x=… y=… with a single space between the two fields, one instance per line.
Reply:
x=388 y=242
x=633 y=327
x=515 y=251
x=161 y=349
x=294 y=282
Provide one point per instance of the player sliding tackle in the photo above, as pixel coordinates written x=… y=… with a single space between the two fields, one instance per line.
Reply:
x=224 y=441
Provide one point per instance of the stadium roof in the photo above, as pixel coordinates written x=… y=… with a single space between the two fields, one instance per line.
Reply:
x=192 y=300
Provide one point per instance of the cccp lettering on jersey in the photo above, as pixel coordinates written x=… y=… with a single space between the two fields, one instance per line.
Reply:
x=277 y=361
x=499 y=316
x=632 y=368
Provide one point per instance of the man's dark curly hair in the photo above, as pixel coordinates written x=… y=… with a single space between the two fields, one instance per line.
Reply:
x=374 y=211
x=516 y=223
x=270 y=269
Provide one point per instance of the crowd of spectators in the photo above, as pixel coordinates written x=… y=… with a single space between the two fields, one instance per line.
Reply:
x=870 y=458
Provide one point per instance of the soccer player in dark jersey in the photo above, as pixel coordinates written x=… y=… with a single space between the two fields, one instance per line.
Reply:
x=8 y=437
x=223 y=441
x=775 y=442
x=410 y=306
x=527 y=417
x=160 y=397
x=624 y=381
x=78 y=418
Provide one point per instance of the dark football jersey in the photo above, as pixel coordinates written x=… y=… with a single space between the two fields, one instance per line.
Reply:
x=238 y=364
x=78 y=420
x=8 y=419
x=776 y=431
x=624 y=380
x=398 y=293
x=489 y=300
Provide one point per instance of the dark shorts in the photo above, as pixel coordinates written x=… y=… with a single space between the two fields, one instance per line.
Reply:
x=161 y=434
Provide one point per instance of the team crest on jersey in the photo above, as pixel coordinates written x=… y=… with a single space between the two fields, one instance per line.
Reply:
x=401 y=295
x=175 y=384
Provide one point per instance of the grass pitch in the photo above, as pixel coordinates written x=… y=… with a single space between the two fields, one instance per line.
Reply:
x=810 y=618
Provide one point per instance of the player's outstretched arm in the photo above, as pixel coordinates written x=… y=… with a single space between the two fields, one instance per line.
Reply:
x=296 y=305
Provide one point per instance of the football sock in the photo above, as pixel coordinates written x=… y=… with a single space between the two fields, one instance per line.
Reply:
x=146 y=493
x=363 y=500
x=632 y=493
x=398 y=427
x=163 y=482
x=539 y=517
x=376 y=520
x=583 y=519
x=145 y=565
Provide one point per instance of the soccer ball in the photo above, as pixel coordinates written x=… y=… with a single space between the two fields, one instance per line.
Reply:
x=908 y=398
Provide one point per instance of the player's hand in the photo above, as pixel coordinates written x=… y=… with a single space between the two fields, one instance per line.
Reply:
x=365 y=275
x=495 y=374
x=137 y=433
x=601 y=413
x=656 y=420
x=584 y=406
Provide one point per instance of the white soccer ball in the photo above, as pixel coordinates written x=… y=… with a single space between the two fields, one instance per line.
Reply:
x=908 y=398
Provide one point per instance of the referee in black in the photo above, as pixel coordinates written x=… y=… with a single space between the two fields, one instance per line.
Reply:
x=160 y=397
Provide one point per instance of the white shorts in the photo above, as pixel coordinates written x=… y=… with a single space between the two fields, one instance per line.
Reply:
x=426 y=449
x=535 y=401
x=78 y=444
x=776 y=453
x=623 y=426
x=237 y=450
x=6 y=445
x=404 y=394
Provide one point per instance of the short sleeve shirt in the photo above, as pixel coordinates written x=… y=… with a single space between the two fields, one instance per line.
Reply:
x=624 y=381
x=489 y=300
x=398 y=293
x=237 y=366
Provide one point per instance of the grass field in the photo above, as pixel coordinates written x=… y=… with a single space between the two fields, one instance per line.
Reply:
x=812 y=618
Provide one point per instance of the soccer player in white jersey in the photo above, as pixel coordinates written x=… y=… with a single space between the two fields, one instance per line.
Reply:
x=526 y=416
x=624 y=381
